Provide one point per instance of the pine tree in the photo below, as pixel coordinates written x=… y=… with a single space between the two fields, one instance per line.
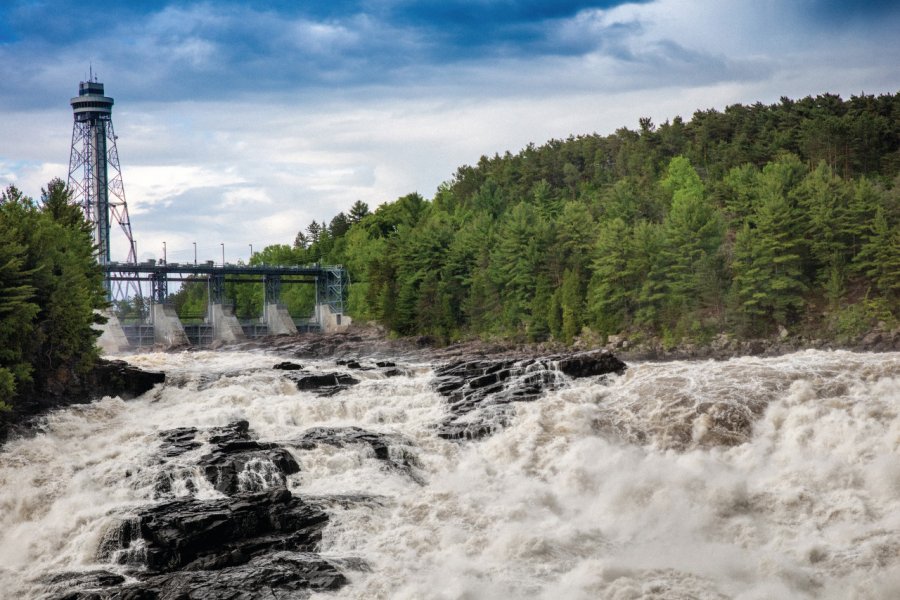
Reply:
x=768 y=279
x=358 y=211
x=879 y=258
x=612 y=293
x=694 y=230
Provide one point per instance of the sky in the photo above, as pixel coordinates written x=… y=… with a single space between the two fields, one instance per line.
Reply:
x=240 y=122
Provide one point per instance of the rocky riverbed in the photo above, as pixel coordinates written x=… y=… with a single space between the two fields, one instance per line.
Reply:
x=356 y=466
x=222 y=521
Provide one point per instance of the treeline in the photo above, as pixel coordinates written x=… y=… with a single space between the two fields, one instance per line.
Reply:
x=50 y=286
x=745 y=221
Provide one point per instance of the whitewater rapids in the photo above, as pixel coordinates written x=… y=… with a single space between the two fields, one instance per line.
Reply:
x=621 y=489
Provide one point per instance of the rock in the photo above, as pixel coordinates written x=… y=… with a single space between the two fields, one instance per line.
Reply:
x=589 y=364
x=288 y=366
x=260 y=545
x=61 y=585
x=394 y=449
x=279 y=576
x=211 y=534
x=178 y=441
x=397 y=372
x=872 y=339
x=326 y=384
x=483 y=387
x=236 y=463
x=118 y=378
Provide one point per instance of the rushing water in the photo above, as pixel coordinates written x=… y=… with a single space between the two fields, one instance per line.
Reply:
x=619 y=490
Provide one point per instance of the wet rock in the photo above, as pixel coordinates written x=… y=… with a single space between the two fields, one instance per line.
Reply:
x=118 y=378
x=325 y=384
x=357 y=366
x=394 y=449
x=477 y=390
x=282 y=575
x=259 y=545
x=589 y=364
x=252 y=466
x=87 y=583
x=236 y=462
x=176 y=442
x=288 y=366
x=196 y=534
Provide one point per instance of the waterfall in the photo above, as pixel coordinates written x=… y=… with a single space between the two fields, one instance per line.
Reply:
x=748 y=478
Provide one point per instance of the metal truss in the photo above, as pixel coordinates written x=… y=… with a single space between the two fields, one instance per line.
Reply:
x=95 y=182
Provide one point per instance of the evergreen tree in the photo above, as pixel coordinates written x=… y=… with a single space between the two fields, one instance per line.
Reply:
x=612 y=294
x=879 y=258
x=768 y=280
x=358 y=211
x=693 y=230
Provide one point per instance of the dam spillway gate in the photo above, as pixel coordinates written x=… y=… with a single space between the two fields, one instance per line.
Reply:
x=162 y=326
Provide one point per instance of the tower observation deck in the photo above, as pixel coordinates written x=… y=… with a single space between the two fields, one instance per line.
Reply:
x=95 y=177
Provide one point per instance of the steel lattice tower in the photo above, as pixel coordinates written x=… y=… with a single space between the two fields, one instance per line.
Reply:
x=95 y=178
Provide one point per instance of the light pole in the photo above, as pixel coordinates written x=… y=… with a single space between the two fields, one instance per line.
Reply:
x=195 y=254
x=164 y=253
x=223 y=253
x=251 y=251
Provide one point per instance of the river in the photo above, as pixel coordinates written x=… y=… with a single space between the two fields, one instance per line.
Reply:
x=619 y=488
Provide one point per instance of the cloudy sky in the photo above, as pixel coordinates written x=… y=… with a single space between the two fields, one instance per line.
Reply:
x=241 y=122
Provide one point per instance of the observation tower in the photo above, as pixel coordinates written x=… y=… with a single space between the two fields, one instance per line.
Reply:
x=95 y=178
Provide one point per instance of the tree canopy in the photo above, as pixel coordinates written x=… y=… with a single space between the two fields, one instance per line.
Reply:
x=50 y=288
x=743 y=220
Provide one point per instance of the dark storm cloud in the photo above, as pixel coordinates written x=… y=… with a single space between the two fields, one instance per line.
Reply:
x=200 y=50
x=843 y=12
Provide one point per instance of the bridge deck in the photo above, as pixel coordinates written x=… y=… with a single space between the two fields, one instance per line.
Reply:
x=135 y=271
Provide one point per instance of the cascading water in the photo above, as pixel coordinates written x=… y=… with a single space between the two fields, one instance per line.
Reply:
x=748 y=479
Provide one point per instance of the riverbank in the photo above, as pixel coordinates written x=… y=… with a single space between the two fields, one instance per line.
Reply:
x=372 y=341
x=65 y=387
x=116 y=378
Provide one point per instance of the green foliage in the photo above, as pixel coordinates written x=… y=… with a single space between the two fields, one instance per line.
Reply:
x=738 y=220
x=768 y=282
x=50 y=288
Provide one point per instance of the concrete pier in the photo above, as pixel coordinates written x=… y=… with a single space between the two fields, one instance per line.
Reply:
x=226 y=327
x=279 y=320
x=167 y=328
x=329 y=320
x=112 y=337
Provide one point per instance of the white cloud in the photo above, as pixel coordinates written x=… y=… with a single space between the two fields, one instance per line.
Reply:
x=240 y=168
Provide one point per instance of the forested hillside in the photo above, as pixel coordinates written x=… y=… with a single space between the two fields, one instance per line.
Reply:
x=50 y=286
x=745 y=221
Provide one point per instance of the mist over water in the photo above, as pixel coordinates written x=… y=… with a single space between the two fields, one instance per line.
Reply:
x=747 y=479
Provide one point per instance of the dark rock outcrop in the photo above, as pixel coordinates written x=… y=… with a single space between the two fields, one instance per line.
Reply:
x=249 y=466
x=235 y=463
x=324 y=384
x=393 y=449
x=288 y=366
x=479 y=391
x=65 y=387
x=249 y=546
x=193 y=534
x=588 y=364
x=276 y=576
x=176 y=442
x=118 y=378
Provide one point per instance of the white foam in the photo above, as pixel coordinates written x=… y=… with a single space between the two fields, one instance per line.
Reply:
x=633 y=489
